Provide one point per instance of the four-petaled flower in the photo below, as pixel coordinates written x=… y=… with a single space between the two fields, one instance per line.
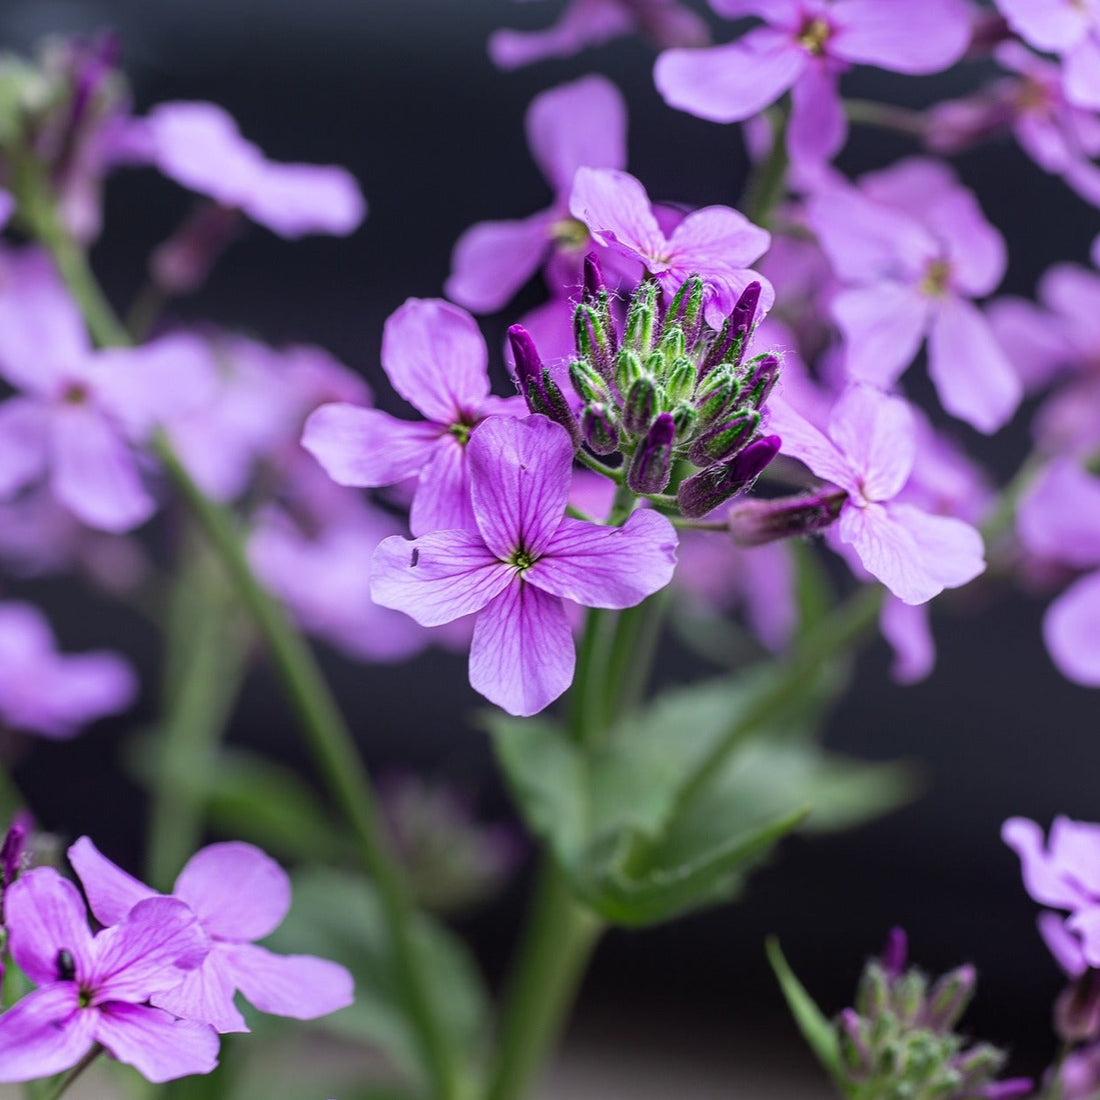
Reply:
x=521 y=560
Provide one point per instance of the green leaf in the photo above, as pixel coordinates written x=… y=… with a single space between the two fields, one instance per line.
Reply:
x=337 y=915
x=818 y=1032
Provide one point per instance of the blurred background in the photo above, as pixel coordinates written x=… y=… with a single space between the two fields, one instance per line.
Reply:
x=405 y=96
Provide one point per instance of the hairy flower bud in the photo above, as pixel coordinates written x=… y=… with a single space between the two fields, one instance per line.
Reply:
x=641 y=320
x=542 y=394
x=1077 y=1009
x=651 y=466
x=722 y=442
x=703 y=492
x=949 y=998
x=642 y=404
x=756 y=522
x=590 y=386
x=734 y=337
x=761 y=379
x=628 y=369
x=594 y=285
x=680 y=380
x=686 y=308
x=594 y=337
x=601 y=435
x=717 y=395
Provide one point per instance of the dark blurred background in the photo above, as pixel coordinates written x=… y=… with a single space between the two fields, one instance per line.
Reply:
x=404 y=95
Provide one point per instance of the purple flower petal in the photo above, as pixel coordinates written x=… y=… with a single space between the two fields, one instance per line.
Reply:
x=368 y=448
x=299 y=986
x=877 y=435
x=1071 y=630
x=521 y=655
x=1062 y=944
x=237 y=891
x=23 y=428
x=442 y=500
x=295 y=200
x=80 y=689
x=1059 y=515
x=45 y=914
x=1044 y=875
x=883 y=326
x=888 y=552
x=717 y=239
x=439 y=577
x=583 y=23
x=777 y=12
x=803 y=441
x=45 y=1033
x=616 y=209
x=492 y=260
x=94 y=472
x=733 y=82
x=147 y=951
x=435 y=356
x=110 y=891
x=972 y=375
x=206 y=994
x=905 y=627
x=608 y=566
x=159 y=1047
x=576 y=125
x=1081 y=72
x=1045 y=25
x=520 y=473
x=913 y=38
x=1036 y=345
x=951 y=551
x=817 y=129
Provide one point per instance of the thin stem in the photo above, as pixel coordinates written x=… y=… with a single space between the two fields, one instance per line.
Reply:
x=612 y=472
x=769 y=176
x=74 y=1073
x=320 y=718
x=885 y=116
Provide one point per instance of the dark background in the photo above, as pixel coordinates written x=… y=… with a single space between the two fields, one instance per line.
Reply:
x=404 y=95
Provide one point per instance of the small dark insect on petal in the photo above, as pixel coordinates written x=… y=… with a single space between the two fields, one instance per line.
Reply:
x=415 y=557
x=66 y=966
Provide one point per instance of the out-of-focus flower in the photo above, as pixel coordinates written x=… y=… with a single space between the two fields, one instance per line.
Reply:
x=915 y=249
x=586 y=23
x=522 y=559
x=869 y=453
x=199 y=146
x=238 y=894
x=435 y=356
x=43 y=691
x=805 y=47
x=94 y=989
x=715 y=243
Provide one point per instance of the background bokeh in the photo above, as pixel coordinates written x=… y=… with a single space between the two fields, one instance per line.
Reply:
x=404 y=95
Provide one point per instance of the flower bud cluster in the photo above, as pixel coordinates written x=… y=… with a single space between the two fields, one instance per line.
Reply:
x=899 y=1041
x=666 y=388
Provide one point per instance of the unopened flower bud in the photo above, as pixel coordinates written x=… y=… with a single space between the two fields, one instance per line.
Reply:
x=855 y=1047
x=873 y=994
x=641 y=406
x=628 y=369
x=641 y=319
x=978 y=1064
x=756 y=522
x=672 y=345
x=895 y=952
x=1077 y=1009
x=594 y=284
x=651 y=466
x=717 y=395
x=13 y=849
x=703 y=492
x=949 y=997
x=601 y=436
x=722 y=442
x=909 y=994
x=680 y=381
x=594 y=342
x=734 y=337
x=542 y=394
x=760 y=380
x=686 y=308
x=588 y=383
x=685 y=418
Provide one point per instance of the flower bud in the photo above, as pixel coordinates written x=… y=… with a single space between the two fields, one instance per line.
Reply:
x=909 y=993
x=594 y=342
x=641 y=405
x=855 y=1048
x=734 y=337
x=628 y=369
x=542 y=394
x=641 y=319
x=13 y=849
x=601 y=436
x=594 y=285
x=949 y=998
x=756 y=522
x=721 y=443
x=761 y=379
x=706 y=490
x=672 y=345
x=686 y=308
x=717 y=395
x=588 y=383
x=680 y=382
x=685 y=418
x=873 y=993
x=651 y=466
x=895 y=952
x=1077 y=1009
x=978 y=1064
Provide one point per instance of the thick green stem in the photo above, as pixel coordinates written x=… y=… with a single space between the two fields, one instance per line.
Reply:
x=320 y=718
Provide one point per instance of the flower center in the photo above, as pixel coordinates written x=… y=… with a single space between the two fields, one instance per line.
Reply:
x=569 y=234
x=814 y=34
x=522 y=560
x=75 y=393
x=1032 y=96
x=937 y=277
x=461 y=431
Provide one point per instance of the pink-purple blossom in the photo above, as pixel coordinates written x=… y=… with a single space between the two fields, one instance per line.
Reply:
x=199 y=146
x=716 y=243
x=914 y=249
x=582 y=123
x=50 y=693
x=804 y=48
x=435 y=356
x=94 y=989
x=522 y=559
x=237 y=895
x=586 y=23
x=869 y=452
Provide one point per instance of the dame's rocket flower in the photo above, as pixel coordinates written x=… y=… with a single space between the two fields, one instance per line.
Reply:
x=521 y=560
x=238 y=895
x=914 y=249
x=869 y=453
x=435 y=356
x=46 y=692
x=715 y=243
x=805 y=47
x=94 y=989
x=199 y=146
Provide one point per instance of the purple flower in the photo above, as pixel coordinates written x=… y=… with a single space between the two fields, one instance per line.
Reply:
x=93 y=989
x=914 y=249
x=593 y=22
x=435 y=356
x=577 y=124
x=238 y=895
x=1069 y=28
x=81 y=413
x=520 y=561
x=805 y=47
x=869 y=453
x=43 y=691
x=199 y=146
x=715 y=243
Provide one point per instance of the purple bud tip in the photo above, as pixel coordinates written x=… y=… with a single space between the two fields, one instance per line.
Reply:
x=895 y=952
x=755 y=458
x=11 y=851
x=526 y=356
x=1007 y=1090
x=593 y=276
x=745 y=310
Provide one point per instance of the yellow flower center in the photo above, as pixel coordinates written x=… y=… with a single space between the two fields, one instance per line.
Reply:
x=813 y=36
x=569 y=234
x=937 y=277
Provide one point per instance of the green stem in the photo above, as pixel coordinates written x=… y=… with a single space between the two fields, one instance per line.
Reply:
x=769 y=177
x=74 y=1073
x=321 y=720
x=633 y=647
x=885 y=116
